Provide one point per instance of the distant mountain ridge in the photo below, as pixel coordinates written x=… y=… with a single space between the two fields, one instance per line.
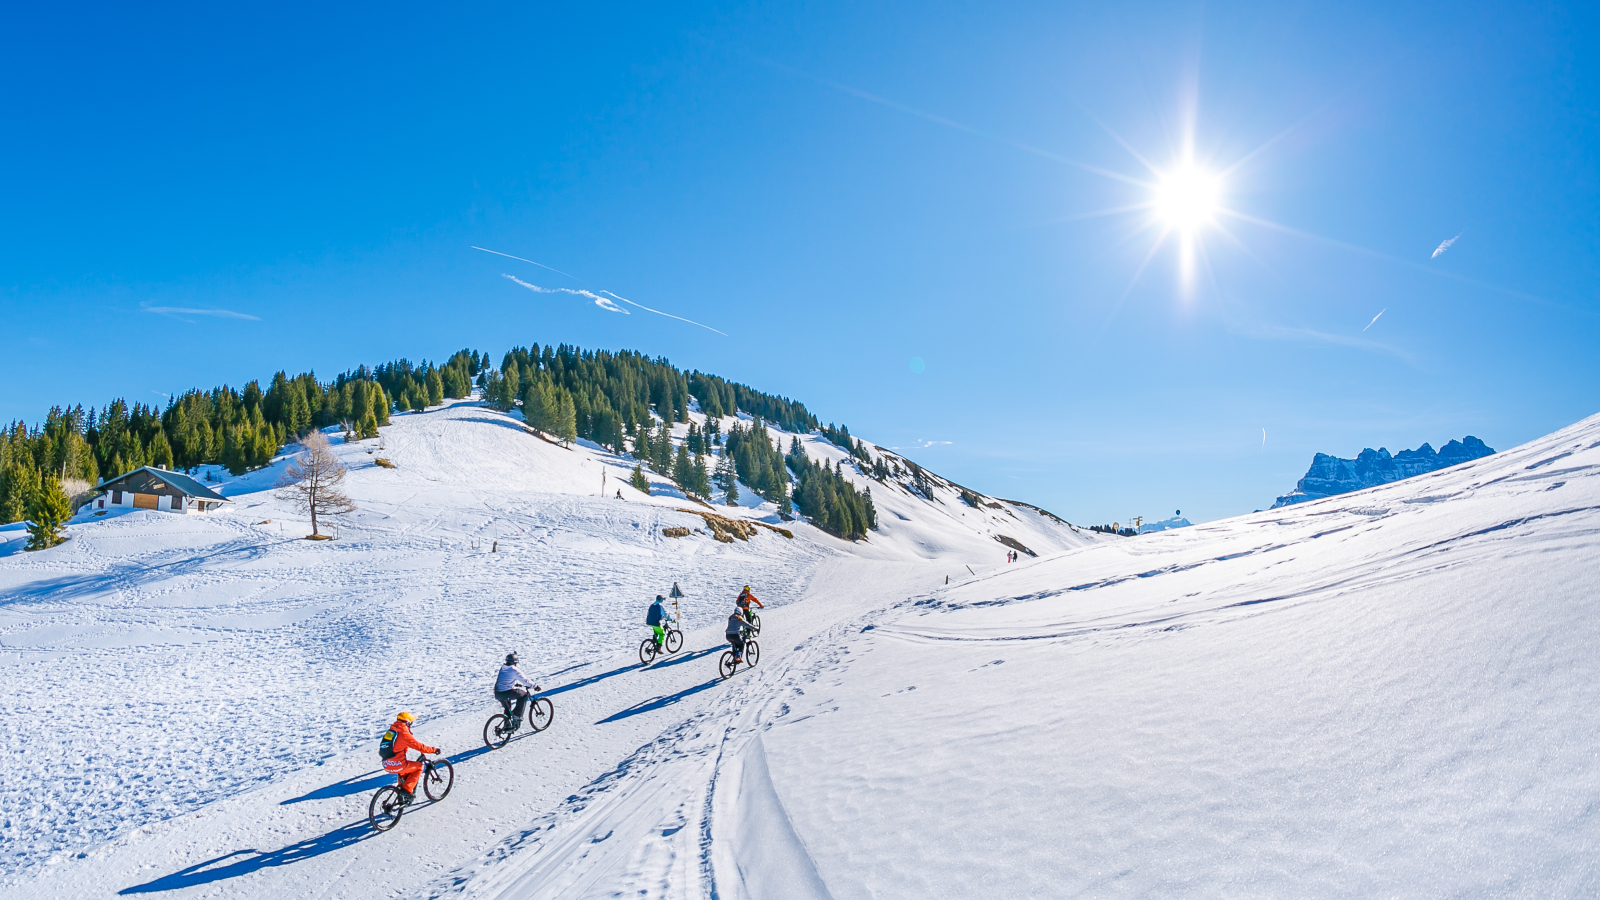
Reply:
x=1177 y=521
x=1330 y=475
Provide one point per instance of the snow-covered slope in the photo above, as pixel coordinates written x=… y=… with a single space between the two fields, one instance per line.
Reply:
x=157 y=663
x=1391 y=692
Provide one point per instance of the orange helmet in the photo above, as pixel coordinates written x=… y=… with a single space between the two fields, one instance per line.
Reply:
x=405 y=717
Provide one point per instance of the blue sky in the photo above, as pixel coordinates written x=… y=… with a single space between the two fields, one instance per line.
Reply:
x=842 y=189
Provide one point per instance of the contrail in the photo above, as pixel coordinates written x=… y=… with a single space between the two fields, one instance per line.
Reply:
x=186 y=311
x=668 y=315
x=520 y=259
x=1445 y=246
x=949 y=123
x=599 y=301
x=1376 y=318
x=1263 y=439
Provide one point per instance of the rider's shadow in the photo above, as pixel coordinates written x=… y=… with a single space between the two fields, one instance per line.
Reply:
x=659 y=702
x=243 y=862
x=585 y=682
x=355 y=784
x=687 y=657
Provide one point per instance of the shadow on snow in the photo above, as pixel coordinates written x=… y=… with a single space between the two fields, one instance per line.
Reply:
x=659 y=702
x=243 y=862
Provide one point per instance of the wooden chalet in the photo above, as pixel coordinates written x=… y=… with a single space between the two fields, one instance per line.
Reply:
x=150 y=488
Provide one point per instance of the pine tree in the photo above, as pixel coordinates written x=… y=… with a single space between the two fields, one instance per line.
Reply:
x=683 y=470
x=536 y=406
x=512 y=388
x=48 y=512
x=702 y=483
x=641 y=444
x=728 y=480
x=566 y=418
x=18 y=482
x=661 y=450
x=434 y=385
x=160 y=450
x=639 y=482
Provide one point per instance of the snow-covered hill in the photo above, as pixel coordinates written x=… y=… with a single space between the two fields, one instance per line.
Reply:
x=157 y=663
x=1391 y=692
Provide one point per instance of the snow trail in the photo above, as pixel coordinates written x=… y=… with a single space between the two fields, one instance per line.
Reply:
x=1391 y=692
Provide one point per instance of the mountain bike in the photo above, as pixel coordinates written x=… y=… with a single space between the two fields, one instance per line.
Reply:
x=386 y=808
x=753 y=620
x=501 y=726
x=752 y=655
x=671 y=643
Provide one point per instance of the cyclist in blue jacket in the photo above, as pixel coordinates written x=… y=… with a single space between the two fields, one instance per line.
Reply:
x=656 y=618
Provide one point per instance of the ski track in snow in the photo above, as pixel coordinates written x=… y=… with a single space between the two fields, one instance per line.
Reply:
x=1392 y=692
x=159 y=667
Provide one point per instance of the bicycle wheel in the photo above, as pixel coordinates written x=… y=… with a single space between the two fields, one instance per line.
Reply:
x=752 y=653
x=385 y=809
x=496 y=731
x=727 y=665
x=674 y=641
x=541 y=712
x=648 y=651
x=755 y=624
x=439 y=779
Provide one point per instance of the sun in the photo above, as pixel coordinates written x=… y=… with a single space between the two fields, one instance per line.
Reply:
x=1187 y=197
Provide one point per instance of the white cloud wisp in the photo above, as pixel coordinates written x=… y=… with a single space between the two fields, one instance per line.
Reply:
x=599 y=301
x=180 y=311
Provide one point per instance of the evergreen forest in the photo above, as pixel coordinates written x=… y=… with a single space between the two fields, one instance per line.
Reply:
x=566 y=392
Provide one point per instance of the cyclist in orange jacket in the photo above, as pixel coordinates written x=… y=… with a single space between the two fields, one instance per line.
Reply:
x=392 y=749
x=744 y=600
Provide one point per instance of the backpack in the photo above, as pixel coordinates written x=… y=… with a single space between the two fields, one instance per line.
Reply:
x=386 y=745
x=655 y=615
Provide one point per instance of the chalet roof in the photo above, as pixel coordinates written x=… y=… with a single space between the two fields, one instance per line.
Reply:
x=186 y=485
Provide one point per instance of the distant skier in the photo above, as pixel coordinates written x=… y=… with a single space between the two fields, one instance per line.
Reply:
x=744 y=600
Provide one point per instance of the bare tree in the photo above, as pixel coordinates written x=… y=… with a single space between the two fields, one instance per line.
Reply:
x=313 y=478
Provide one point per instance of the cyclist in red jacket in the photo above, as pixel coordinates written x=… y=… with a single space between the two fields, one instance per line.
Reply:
x=392 y=749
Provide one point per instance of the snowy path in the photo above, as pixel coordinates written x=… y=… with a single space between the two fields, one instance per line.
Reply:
x=1392 y=693
x=160 y=669
x=632 y=750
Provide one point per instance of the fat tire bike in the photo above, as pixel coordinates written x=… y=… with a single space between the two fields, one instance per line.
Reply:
x=502 y=726
x=671 y=643
x=752 y=655
x=386 y=808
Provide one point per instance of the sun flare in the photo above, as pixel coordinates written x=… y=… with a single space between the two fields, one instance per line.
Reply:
x=1187 y=197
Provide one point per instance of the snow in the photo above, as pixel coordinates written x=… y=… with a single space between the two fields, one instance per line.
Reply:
x=1387 y=692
